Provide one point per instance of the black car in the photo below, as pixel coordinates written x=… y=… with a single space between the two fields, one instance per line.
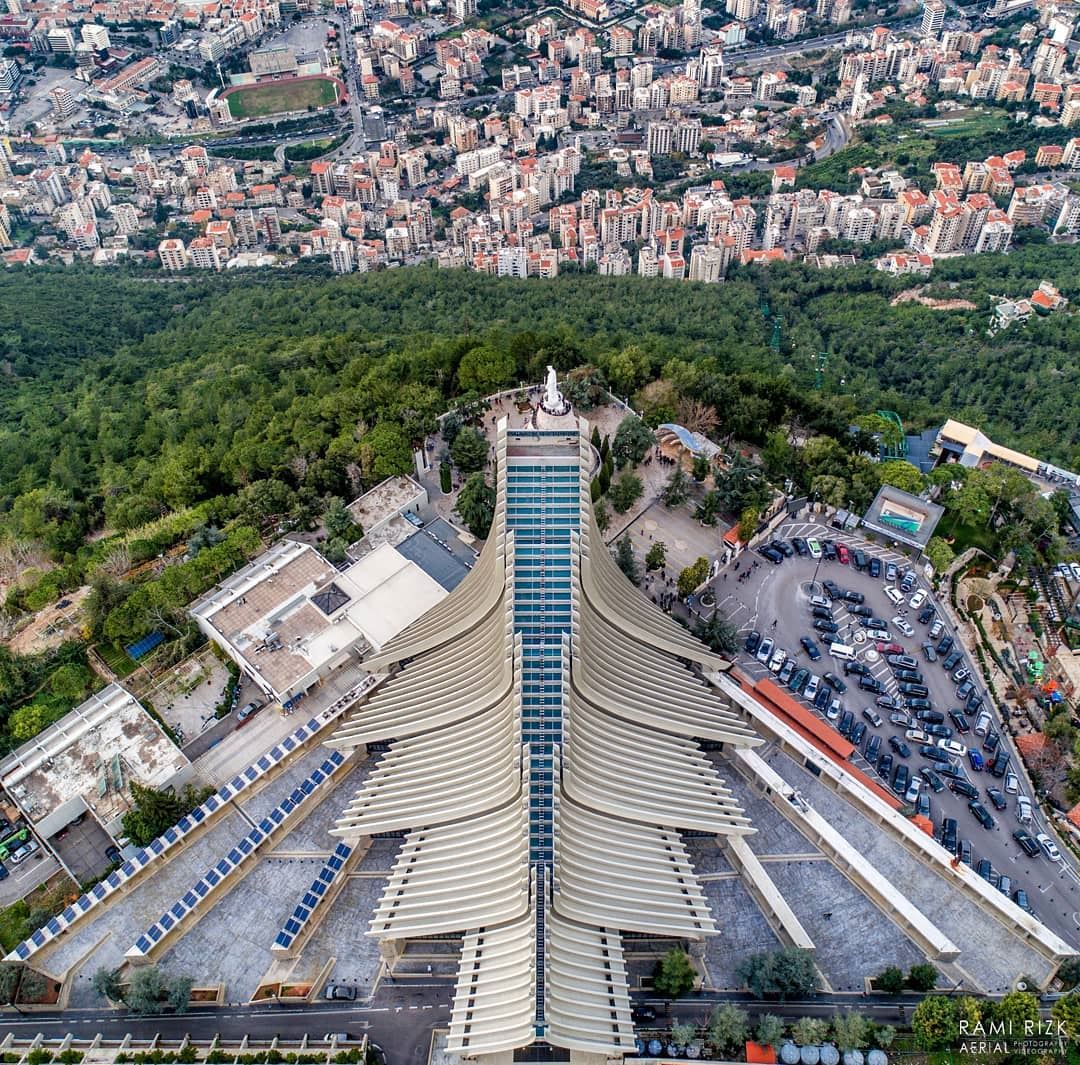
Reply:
x=997 y=798
x=875 y=568
x=1028 y=843
x=949 y=663
x=961 y=722
x=974 y=703
x=941 y=731
x=800 y=546
x=771 y=554
x=834 y=682
x=641 y=1014
x=937 y=755
x=921 y=691
x=847 y=719
x=910 y=676
x=981 y=814
x=884 y=766
x=963 y=851
x=869 y=684
x=985 y=870
x=799 y=680
x=810 y=648
x=856 y=667
x=753 y=641
x=925 y=615
x=908 y=583
x=826 y=626
x=4 y=874
x=900 y=746
x=873 y=623
x=824 y=694
x=901 y=779
x=945 y=767
x=929 y=653
x=944 y=644
x=861 y=611
x=828 y=549
x=916 y=703
x=1021 y=900
x=948 y=833
x=1000 y=763
x=990 y=744
x=821 y=612
x=858 y=731
x=901 y=661
x=931 y=778
x=832 y=589
x=931 y=717
x=886 y=702
x=854 y=597
x=965 y=690
x=783 y=547
x=859 y=559
x=873 y=747
x=965 y=788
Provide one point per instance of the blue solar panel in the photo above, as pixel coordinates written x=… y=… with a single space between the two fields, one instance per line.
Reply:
x=128 y=869
x=255 y=835
x=114 y=880
x=166 y=922
x=337 y=757
x=190 y=899
x=311 y=900
x=154 y=932
x=184 y=824
x=171 y=835
x=23 y=951
x=263 y=763
x=285 y=807
x=277 y=815
x=223 y=867
x=283 y=940
x=212 y=803
x=157 y=846
x=300 y=734
x=266 y=825
x=311 y=726
x=84 y=903
x=288 y=743
x=98 y=891
x=234 y=856
x=316 y=778
x=251 y=772
x=197 y=814
x=244 y=847
x=237 y=783
x=212 y=878
x=143 y=944
x=275 y=753
x=201 y=888
x=68 y=915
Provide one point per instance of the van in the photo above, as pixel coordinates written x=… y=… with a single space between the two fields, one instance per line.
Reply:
x=842 y=651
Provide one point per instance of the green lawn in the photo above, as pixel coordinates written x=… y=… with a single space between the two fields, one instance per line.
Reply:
x=275 y=97
x=969 y=123
x=117 y=659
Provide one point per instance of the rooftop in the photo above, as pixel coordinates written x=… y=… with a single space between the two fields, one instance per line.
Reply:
x=107 y=740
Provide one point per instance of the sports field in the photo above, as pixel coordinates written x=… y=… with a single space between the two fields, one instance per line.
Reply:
x=275 y=97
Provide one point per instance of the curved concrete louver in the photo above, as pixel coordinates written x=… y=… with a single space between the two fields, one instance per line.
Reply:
x=543 y=757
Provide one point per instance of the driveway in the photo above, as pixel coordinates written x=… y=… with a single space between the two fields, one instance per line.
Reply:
x=776 y=601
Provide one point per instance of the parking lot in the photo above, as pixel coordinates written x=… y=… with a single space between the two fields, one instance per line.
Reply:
x=776 y=602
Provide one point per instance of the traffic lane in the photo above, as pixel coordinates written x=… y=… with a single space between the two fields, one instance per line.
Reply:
x=779 y=599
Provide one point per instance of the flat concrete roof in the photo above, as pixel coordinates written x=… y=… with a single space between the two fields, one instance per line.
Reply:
x=439 y=552
x=69 y=760
x=384 y=501
x=903 y=516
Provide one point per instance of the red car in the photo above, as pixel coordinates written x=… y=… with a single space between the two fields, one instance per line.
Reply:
x=842 y=553
x=890 y=649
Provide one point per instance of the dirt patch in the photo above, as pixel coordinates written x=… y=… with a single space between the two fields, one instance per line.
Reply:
x=915 y=295
x=51 y=625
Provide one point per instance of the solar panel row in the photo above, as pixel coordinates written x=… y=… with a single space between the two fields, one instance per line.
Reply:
x=312 y=897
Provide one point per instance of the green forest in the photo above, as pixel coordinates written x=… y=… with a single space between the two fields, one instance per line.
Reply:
x=155 y=434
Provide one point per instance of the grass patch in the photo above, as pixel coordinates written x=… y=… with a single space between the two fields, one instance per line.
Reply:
x=245 y=153
x=965 y=536
x=966 y=124
x=275 y=97
x=117 y=659
x=301 y=153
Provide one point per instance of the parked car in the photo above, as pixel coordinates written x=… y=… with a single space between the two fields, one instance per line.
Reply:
x=1000 y=764
x=786 y=670
x=901 y=719
x=941 y=732
x=642 y=1014
x=20 y=854
x=860 y=611
x=894 y=595
x=917 y=599
x=826 y=626
x=821 y=700
x=875 y=568
x=901 y=779
x=799 y=680
x=990 y=744
x=847 y=722
x=997 y=798
x=811 y=689
x=765 y=650
x=961 y=674
x=909 y=676
x=1012 y=783
x=926 y=615
x=932 y=779
x=843 y=556
x=976 y=760
x=983 y=723
x=948 y=833
x=875 y=624
x=931 y=717
x=778 y=659
x=832 y=589
x=945 y=643
x=901 y=661
x=814 y=548
x=964 y=690
x=784 y=548
x=872 y=716
x=810 y=648
x=929 y=653
x=916 y=703
x=822 y=612
x=957 y=750
x=1049 y=848
x=854 y=597
x=903 y=626
x=959 y=721
x=900 y=747
x=834 y=682
x=246 y=713
x=1023 y=809
x=1004 y=885
x=770 y=553
x=870 y=684
x=965 y=788
x=1028 y=843
x=1021 y=899
x=884 y=766
x=340 y=993
x=963 y=851
x=981 y=814
x=800 y=546
x=877 y=634
x=908 y=581
x=985 y=870
x=891 y=572
x=949 y=662
x=916 y=735
x=753 y=641
x=856 y=667
x=828 y=549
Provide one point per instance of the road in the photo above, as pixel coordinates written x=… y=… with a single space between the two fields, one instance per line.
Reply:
x=776 y=602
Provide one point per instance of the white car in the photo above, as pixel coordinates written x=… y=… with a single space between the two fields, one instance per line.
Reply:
x=814 y=548
x=20 y=854
x=1023 y=809
x=878 y=634
x=764 y=652
x=912 y=793
x=917 y=735
x=777 y=660
x=1049 y=848
x=901 y=625
x=894 y=595
x=917 y=599
x=833 y=712
x=811 y=689
x=953 y=747
x=1075 y=567
x=1012 y=783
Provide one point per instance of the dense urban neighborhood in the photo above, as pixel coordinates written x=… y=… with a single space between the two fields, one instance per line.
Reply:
x=670 y=142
